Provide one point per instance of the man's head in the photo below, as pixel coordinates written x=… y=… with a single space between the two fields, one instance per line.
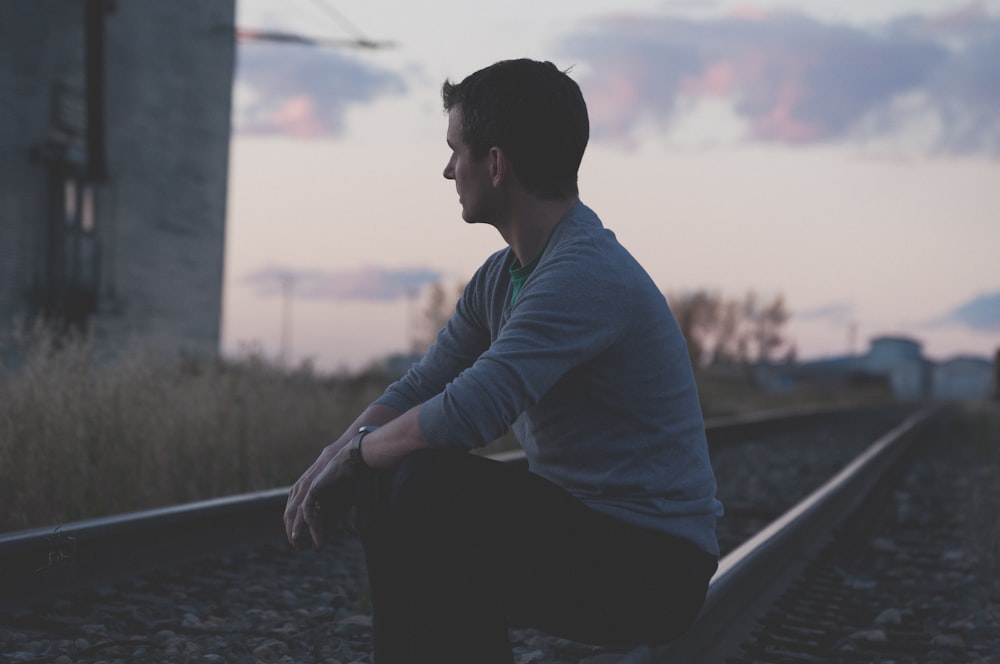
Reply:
x=534 y=113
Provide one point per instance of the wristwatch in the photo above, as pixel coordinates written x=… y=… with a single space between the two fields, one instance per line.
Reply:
x=356 y=458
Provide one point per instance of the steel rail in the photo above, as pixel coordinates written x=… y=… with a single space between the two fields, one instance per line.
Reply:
x=753 y=575
x=42 y=562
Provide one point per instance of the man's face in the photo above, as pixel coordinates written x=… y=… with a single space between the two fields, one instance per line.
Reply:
x=471 y=176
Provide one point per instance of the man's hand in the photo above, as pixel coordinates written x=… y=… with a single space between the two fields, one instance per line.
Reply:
x=323 y=495
x=329 y=484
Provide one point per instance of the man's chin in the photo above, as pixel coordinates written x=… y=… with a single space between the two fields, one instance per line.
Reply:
x=470 y=217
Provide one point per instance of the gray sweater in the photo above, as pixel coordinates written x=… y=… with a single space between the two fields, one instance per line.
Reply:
x=590 y=369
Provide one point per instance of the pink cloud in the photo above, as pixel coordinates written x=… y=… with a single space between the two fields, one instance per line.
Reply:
x=613 y=100
x=957 y=20
x=297 y=116
x=304 y=92
x=717 y=79
x=792 y=78
x=782 y=122
x=749 y=13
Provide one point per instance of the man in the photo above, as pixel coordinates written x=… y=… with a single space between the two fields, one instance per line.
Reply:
x=610 y=537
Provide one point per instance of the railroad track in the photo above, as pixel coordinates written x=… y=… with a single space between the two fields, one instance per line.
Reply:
x=751 y=577
x=48 y=578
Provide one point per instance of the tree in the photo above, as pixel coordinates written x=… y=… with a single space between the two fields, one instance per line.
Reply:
x=767 y=322
x=721 y=331
x=697 y=316
x=439 y=305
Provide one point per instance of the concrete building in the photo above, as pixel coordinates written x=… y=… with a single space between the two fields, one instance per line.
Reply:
x=902 y=361
x=897 y=362
x=963 y=378
x=114 y=149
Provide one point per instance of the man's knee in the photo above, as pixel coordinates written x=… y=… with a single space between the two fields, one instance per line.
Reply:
x=424 y=487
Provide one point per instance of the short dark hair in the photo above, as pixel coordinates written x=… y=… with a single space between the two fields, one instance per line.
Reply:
x=532 y=111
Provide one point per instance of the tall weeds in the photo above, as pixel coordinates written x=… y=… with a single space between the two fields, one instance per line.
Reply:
x=83 y=436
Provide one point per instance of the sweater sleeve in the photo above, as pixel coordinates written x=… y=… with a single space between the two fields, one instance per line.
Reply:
x=464 y=337
x=568 y=311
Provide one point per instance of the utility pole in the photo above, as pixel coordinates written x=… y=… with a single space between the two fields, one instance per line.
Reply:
x=287 y=293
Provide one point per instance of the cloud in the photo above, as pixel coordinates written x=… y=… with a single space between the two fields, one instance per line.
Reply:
x=302 y=91
x=835 y=312
x=794 y=79
x=980 y=314
x=367 y=283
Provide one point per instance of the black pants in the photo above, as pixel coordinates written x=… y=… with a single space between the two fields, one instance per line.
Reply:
x=459 y=547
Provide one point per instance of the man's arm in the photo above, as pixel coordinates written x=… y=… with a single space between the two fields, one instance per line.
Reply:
x=374 y=415
x=398 y=436
x=385 y=448
x=463 y=339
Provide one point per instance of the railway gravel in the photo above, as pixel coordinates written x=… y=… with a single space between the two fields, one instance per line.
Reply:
x=914 y=577
x=760 y=478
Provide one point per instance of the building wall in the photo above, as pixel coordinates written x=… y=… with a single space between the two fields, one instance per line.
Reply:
x=910 y=375
x=40 y=44
x=158 y=236
x=963 y=378
x=901 y=360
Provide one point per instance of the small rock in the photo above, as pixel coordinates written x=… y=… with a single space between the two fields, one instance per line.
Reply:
x=348 y=631
x=859 y=584
x=365 y=621
x=874 y=635
x=954 y=557
x=270 y=651
x=889 y=617
x=948 y=640
x=883 y=545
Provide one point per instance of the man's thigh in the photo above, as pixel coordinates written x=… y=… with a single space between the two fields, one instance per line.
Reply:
x=548 y=559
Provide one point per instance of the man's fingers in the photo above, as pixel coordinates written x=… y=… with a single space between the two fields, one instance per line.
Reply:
x=293 y=522
x=303 y=507
x=311 y=514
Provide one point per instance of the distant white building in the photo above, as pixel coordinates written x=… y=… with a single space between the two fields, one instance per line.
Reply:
x=963 y=378
x=114 y=151
x=900 y=361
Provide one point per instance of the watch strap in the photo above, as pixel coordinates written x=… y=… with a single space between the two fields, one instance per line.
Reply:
x=355 y=450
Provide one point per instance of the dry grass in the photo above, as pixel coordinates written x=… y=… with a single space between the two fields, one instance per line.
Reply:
x=726 y=392
x=82 y=437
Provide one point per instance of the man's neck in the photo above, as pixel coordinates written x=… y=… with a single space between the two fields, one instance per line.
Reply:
x=531 y=223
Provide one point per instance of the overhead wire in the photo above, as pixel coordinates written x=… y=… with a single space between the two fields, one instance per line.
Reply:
x=357 y=37
x=330 y=11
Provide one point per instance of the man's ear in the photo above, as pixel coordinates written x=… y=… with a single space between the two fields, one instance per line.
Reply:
x=499 y=166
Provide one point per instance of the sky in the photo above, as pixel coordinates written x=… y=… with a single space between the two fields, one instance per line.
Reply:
x=843 y=154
